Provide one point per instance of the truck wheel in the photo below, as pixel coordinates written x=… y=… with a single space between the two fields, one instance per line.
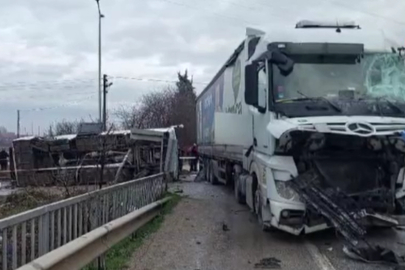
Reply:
x=258 y=207
x=237 y=190
x=228 y=174
x=258 y=211
x=207 y=170
x=212 y=178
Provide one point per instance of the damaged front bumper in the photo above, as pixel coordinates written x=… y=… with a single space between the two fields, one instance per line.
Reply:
x=297 y=222
x=296 y=219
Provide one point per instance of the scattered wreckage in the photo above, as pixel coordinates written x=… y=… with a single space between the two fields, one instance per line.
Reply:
x=350 y=182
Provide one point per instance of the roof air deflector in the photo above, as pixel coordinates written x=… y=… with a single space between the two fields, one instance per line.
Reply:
x=254 y=32
x=320 y=24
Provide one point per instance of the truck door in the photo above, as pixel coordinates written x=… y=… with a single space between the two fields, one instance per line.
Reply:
x=261 y=118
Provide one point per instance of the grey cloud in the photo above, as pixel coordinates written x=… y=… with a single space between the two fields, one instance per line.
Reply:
x=138 y=30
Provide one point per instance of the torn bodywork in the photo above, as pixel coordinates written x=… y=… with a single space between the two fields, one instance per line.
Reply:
x=352 y=182
x=368 y=171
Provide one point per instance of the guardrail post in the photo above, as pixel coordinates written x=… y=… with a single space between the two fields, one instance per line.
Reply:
x=40 y=235
x=45 y=230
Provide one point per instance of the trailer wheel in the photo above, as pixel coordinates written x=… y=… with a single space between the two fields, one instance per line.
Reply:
x=207 y=170
x=236 y=188
x=212 y=178
x=228 y=174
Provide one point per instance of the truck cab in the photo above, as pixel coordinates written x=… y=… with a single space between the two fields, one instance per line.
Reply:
x=327 y=104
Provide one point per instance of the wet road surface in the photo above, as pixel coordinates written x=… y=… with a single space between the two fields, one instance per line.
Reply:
x=208 y=230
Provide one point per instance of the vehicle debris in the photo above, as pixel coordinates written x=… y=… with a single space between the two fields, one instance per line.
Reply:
x=268 y=263
x=376 y=254
x=200 y=176
x=345 y=214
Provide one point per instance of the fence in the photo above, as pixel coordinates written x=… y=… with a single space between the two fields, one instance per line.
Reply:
x=31 y=234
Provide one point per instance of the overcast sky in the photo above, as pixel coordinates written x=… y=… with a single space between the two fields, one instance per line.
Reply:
x=48 y=48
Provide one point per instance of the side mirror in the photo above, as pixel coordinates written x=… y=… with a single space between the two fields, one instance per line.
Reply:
x=284 y=63
x=251 y=85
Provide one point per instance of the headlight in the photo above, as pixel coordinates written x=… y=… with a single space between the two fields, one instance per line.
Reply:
x=284 y=190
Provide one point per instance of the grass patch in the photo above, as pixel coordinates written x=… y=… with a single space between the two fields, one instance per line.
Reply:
x=30 y=198
x=27 y=199
x=118 y=256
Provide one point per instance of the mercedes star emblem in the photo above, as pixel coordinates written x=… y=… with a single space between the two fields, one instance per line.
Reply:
x=360 y=128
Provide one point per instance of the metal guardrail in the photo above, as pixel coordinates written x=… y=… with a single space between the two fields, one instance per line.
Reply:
x=31 y=234
x=80 y=252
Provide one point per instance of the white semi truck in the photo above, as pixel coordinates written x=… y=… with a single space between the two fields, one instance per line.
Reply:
x=318 y=103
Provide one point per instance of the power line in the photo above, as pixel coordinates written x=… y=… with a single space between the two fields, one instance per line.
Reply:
x=278 y=7
x=46 y=82
x=9 y=98
x=150 y=80
x=69 y=103
x=43 y=89
x=365 y=12
x=40 y=87
x=212 y=13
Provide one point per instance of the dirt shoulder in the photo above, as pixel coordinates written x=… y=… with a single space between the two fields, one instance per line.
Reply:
x=209 y=230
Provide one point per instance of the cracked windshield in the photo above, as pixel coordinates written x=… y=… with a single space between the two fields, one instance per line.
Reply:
x=202 y=135
x=372 y=76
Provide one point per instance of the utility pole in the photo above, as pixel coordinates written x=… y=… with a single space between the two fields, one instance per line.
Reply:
x=106 y=85
x=18 y=123
x=100 y=16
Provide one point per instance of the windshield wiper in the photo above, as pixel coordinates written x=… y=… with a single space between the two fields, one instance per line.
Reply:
x=330 y=103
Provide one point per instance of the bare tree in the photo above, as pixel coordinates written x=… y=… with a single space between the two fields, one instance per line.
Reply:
x=184 y=112
x=3 y=130
x=171 y=106
x=155 y=110
x=62 y=127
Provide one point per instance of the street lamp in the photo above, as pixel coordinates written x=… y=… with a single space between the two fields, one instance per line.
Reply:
x=100 y=16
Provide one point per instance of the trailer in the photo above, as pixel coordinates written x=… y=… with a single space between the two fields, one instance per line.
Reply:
x=320 y=104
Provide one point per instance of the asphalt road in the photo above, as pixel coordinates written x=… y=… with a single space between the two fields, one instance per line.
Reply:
x=208 y=230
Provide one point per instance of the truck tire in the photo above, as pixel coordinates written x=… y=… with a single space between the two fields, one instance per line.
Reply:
x=207 y=170
x=236 y=188
x=258 y=210
x=212 y=178
x=228 y=174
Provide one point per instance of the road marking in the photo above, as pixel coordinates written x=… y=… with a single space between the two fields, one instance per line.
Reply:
x=321 y=260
